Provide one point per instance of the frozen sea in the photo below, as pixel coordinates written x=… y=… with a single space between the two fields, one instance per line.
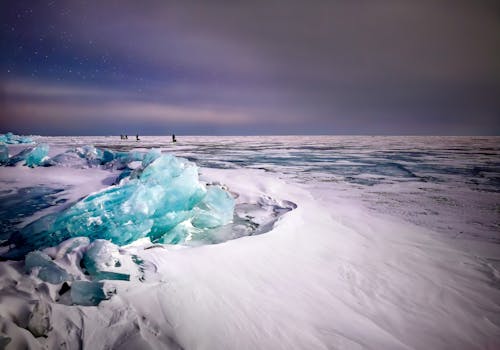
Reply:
x=366 y=242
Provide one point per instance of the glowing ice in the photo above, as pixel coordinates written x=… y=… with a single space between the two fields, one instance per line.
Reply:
x=37 y=156
x=32 y=156
x=215 y=209
x=166 y=194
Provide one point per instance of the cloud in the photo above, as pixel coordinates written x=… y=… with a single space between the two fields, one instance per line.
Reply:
x=393 y=66
x=31 y=103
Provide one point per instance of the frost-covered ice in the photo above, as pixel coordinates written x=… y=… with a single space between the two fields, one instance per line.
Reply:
x=343 y=242
x=46 y=269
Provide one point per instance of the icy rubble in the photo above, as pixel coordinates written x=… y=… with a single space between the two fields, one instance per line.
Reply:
x=10 y=138
x=77 y=269
x=90 y=156
x=80 y=157
x=32 y=156
x=164 y=201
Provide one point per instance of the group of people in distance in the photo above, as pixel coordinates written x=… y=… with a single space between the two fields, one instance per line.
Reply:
x=125 y=137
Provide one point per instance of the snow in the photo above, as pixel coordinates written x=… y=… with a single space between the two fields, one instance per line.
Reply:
x=329 y=272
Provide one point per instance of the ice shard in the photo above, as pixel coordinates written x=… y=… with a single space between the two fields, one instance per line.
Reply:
x=37 y=156
x=33 y=156
x=48 y=270
x=215 y=209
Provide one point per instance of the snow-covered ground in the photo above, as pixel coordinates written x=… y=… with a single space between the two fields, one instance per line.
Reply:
x=392 y=243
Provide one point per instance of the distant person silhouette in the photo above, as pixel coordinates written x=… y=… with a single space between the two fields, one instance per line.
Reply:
x=173 y=138
x=121 y=137
x=137 y=137
x=126 y=137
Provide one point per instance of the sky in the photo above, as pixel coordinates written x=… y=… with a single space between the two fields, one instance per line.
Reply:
x=156 y=67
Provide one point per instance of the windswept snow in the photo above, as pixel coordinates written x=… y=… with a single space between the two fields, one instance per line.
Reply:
x=330 y=273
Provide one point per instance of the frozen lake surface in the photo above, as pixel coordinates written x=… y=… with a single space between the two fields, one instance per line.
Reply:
x=353 y=242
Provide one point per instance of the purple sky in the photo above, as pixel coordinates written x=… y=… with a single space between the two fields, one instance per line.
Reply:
x=250 y=67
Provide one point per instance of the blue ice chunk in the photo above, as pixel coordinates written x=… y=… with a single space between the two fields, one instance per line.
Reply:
x=88 y=152
x=32 y=156
x=165 y=194
x=37 y=156
x=148 y=206
x=88 y=293
x=102 y=259
x=4 y=154
x=10 y=138
x=91 y=154
x=48 y=271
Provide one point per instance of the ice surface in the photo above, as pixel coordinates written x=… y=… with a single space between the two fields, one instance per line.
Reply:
x=48 y=271
x=10 y=138
x=167 y=193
